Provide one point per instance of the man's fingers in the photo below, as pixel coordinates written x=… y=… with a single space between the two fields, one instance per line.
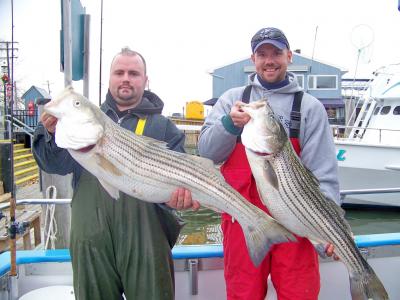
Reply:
x=182 y=199
x=330 y=252
x=335 y=257
x=49 y=122
x=196 y=205
x=238 y=116
x=174 y=199
x=187 y=199
x=180 y=202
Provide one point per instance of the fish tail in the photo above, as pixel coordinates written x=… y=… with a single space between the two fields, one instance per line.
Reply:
x=367 y=286
x=262 y=234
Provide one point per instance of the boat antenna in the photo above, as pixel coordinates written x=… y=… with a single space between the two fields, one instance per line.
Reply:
x=101 y=48
x=313 y=50
x=362 y=37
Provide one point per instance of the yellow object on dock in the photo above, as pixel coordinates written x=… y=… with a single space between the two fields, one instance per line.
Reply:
x=194 y=110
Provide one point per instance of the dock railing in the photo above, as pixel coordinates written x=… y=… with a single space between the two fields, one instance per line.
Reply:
x=343 y=193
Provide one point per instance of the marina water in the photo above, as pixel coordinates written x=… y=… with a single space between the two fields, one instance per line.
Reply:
x=203 y=226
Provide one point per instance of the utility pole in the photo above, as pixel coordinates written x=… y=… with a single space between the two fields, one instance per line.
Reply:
x=101 y=50
x=7 y=47
x=62 y=213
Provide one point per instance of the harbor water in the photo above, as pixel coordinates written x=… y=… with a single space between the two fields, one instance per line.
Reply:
x=203 y=226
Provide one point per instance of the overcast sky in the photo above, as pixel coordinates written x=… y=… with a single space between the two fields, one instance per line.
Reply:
x=183 y=40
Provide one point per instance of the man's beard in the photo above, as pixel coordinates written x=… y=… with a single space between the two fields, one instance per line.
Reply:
x=126 y=97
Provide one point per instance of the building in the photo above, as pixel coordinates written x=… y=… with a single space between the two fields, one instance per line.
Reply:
x=29 y=115
x=319 y=79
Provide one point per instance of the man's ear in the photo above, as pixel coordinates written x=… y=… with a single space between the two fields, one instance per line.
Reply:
x=253 y=58
x=290 y=56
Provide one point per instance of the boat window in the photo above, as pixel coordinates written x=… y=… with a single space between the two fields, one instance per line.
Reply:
x=396 y=110
x=385 y=110
x=376 y=111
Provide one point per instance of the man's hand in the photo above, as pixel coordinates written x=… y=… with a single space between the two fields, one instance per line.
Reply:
x=238 y=116
x=182 y=199
x=330 y=251
x=49 y=122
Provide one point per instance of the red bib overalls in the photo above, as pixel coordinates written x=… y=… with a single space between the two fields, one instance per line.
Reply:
x=293 y=266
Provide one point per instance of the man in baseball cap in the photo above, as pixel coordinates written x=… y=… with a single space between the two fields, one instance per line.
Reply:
x=293 y=266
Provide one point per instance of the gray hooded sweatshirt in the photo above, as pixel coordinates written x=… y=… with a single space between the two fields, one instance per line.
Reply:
x=316 y=141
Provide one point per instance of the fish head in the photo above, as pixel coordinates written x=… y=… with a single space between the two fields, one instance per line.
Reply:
x=80 y=124
x=263 y=133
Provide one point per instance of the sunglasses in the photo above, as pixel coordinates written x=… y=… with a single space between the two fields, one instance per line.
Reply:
x=271 y=34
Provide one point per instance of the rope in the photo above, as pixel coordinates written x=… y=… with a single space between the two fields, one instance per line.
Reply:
x=51 y=193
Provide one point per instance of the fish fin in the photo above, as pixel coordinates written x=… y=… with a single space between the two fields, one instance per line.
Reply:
x=107 y=165
x=311 y=175
x=154 y=142
x=340 y=213
x=205 y=162
x=262 y=234
x=367 y=285
x=208 y=164
x=212 y=208
x=270 y=175
x=112 y=191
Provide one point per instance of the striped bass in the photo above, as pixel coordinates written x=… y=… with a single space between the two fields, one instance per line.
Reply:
x=293 y=196
x=144 y=168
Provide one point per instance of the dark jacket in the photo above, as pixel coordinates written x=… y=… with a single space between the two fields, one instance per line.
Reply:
x=55 y=160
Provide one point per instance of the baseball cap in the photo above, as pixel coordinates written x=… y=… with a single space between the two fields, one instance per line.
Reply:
x=269 y=35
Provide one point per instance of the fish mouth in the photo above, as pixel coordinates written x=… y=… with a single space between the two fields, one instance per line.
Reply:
x=51 y=111
x=251 y=107
x=86 y=149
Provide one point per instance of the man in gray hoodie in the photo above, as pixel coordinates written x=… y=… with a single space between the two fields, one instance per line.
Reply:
x=293 y=266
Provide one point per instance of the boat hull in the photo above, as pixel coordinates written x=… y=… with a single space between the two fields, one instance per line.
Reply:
x=369 y=166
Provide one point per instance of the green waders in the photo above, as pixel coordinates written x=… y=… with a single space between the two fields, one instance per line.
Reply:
x=121 y=246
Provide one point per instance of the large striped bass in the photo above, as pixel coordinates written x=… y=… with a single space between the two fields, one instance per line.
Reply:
x=144 y=168
x=293 y=196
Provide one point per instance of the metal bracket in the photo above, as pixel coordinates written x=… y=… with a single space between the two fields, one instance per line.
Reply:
x=194 y=276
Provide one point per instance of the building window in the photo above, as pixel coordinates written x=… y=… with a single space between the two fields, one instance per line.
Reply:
x=300 y=80
x=322 y=82
x=385 y=110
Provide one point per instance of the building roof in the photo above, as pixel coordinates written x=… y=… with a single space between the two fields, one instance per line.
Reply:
x=343 y=70
x=39 y=91
x=211 y=101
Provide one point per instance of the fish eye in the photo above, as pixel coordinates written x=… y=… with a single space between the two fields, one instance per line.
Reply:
x=77 y=103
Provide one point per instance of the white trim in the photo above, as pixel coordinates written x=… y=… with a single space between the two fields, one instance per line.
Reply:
x=302 y=76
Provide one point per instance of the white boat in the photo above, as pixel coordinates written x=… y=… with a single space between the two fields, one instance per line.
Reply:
x=369 y=157
x=47 y=274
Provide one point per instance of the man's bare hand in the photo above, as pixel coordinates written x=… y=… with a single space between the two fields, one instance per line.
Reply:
x=182 y=199
x=49 y=122
x=238 y=116
x=330 y=251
